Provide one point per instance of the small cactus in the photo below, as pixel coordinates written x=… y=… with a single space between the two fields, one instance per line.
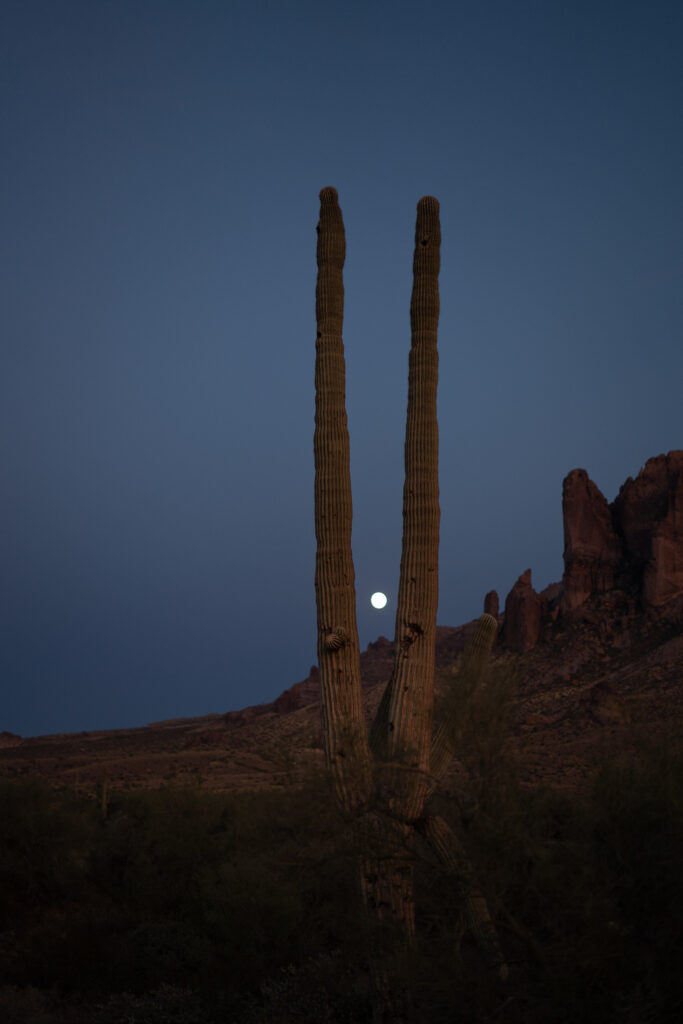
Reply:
x=475 y=659
x=104 y=796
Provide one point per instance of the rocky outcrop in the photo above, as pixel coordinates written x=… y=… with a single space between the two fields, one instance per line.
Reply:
x=592 y=548
x=645 y=501
x=649 y=514
x=603 y=703
x=10 y=739
x=663 y=573
x=299 y=695
x=376 y=663
x=288 y=701
x=628 y=554
x=635 y=543
x=523 y=612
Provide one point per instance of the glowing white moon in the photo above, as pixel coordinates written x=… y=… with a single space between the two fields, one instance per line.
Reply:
x=378 y=600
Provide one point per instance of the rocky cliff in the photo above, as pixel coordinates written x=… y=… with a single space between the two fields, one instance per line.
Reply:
x=625 y=558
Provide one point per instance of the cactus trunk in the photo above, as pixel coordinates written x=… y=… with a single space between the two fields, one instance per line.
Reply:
x=344 y=736
x=386 y=794
x=452 y=855
x=411 y=690
x=402 y=732
x=470 y=674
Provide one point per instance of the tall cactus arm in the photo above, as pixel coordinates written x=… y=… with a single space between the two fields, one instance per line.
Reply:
x=453 y=857
x=474 y=662
x=404 y=728
x=344 y=734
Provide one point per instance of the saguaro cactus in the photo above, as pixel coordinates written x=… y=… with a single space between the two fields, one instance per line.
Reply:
x=386 y=780
x=403 y=730
x=346 y=747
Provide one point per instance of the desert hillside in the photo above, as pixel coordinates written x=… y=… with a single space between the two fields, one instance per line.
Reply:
x=594 y=663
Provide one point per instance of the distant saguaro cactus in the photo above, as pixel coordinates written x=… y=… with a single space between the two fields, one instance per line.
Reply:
x=384 y=780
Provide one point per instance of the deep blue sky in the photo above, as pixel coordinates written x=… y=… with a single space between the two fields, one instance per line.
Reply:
x=160 y=169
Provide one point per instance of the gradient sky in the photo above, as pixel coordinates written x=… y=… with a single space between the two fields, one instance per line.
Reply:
x=160 y=169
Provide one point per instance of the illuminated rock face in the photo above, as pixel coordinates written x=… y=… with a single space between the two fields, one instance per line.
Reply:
x=663 y=574
x=592 y=549
x=637 y=541
x=632 y=547
x=649 y=512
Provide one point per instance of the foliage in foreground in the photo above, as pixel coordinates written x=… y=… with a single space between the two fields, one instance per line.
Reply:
x=185 y=907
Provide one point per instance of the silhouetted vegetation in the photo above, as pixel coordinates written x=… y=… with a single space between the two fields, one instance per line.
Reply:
x=191 y=907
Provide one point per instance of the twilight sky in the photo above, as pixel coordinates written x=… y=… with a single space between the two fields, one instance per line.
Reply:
x=159 y=178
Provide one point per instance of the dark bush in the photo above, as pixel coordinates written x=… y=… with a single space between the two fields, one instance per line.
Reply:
x=188 y=906
x=44 y=844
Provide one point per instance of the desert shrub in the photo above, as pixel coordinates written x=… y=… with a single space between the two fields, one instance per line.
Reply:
x=251 y=900
x=587 y=894
x=44 y=843
x=323 y=990
x=73 y=947
x=253 y=874
x=153 y=848
x=25 y=1005
x=638 y=831
x=30 y=1005
x=167 y=1004
x=638 y=835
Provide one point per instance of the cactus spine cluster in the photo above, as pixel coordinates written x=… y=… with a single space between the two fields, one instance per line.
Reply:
x=385 y=779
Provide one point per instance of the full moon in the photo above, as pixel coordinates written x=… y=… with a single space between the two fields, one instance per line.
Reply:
x=378 y=600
